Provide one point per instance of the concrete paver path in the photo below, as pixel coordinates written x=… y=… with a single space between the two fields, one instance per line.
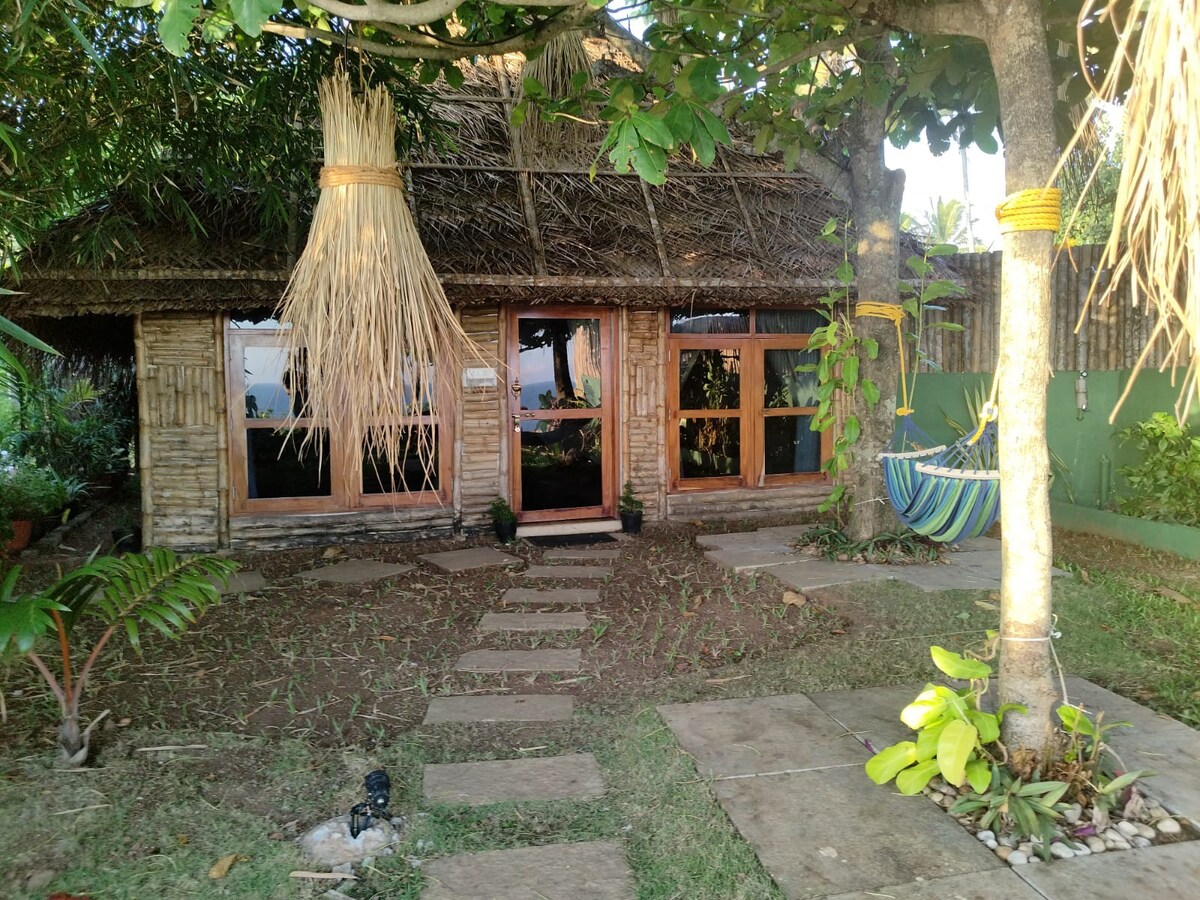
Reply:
x=453 y=561
x=519 y=661
x=575 y=776
x=501 y=708
x=586 y=871
x=569 y=572
x=537 y=621
x=565 y=596
x=353 y=571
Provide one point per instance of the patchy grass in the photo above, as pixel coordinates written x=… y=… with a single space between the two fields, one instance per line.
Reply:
x=296 y=694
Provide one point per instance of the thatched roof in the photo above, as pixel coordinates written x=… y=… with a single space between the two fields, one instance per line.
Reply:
x=496 y=224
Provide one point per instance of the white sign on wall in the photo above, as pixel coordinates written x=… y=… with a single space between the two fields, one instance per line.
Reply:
x=479 y=378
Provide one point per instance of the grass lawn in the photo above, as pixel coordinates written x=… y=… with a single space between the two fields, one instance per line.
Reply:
x=289 y=709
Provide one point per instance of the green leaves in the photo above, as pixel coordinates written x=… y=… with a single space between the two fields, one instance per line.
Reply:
x=957 y=666
x=23 y=619
x=955 y=745
x=251 y=14
x=176 y=22
x=888 y=762
x=913 y=779
x=979 y=775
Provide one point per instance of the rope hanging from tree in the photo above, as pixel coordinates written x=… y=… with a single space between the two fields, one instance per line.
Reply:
x=1034 y=209
x=893 y=312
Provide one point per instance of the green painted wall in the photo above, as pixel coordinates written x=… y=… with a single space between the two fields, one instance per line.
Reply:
x=1081 y=440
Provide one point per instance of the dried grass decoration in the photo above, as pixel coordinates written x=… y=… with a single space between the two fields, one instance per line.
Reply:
x=371 y=329
x=1156 y=219
x=563 y=57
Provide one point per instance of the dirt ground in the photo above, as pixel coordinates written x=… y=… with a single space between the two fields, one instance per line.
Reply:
x=335 y=664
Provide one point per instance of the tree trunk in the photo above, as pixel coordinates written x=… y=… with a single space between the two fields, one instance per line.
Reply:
x=1016 y=41
x=876 y=194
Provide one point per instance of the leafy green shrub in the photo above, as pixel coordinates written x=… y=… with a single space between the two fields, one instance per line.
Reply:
x=28 y=490
x=501 y=512
x=955 y=738
x=628 y=502
x=1165 y=484
x=894 y=547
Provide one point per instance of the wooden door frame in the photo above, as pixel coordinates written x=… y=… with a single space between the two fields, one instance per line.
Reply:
x=608 y=412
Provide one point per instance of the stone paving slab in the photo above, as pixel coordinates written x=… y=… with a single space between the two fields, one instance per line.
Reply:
x=353 y=571
x=501 y=708
x=832 y=831
x=581 y=553
x=933 y=578
x=762 y=735
x=995 y=885
x=453 y=561
x=566 y=596
x=1152 y=872
x=818 y=573
x=871 y=714
x=979 y=543
x=1155 y=742
x=519 y=661
x=747 y=560
x=788 y=532
x=240 y=583
x=575 y=776
x=743 y=540
x=594 y=870
x=568 y=572
x=540 y=621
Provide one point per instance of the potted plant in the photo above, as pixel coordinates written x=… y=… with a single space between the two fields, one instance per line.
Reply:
x=504 y=520
x=630 y=508
x=27 y=492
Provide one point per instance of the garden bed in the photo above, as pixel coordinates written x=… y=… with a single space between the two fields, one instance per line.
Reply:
x=1179 y=539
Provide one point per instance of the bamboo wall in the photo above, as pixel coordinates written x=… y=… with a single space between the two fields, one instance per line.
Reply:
x=643 y=406
x=1112 y=338
x=480 y=447
x=181 y=433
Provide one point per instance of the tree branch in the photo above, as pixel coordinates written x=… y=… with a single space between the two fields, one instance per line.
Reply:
x=530 y=40
x=955 y=17
x=421 y=13
x=624 y=39
x=825 y=170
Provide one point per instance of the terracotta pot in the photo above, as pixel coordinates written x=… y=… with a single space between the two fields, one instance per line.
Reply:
x=22 y=533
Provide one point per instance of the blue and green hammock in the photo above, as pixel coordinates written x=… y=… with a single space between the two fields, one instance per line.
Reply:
x=946 y=493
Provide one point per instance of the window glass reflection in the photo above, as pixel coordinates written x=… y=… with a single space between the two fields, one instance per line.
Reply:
x=559 y=363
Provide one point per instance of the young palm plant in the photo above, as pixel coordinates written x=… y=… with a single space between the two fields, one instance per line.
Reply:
x=158 y=589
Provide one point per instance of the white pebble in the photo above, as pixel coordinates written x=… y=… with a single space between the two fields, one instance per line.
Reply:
x=1061 y=851
x=1017 y=858
x=991 y=845
x=1096 y=844
x=1073 y=813
x=1083 y=849
x=1169 y=826
x=985 y=835
x=1026 y=848
x=1142 y=842
x=1128 y=829
x=1145 y=831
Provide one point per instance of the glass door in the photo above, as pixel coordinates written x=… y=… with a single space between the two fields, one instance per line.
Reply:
x=562 y=397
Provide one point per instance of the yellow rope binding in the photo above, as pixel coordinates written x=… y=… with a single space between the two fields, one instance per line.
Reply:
x=1035 y=209
x=873 y=309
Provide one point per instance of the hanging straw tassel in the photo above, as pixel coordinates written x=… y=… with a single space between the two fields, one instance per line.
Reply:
x=371 y=328
x=560 y=61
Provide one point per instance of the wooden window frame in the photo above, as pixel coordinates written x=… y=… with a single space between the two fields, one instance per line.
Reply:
x=752 y=410
x=345 y=466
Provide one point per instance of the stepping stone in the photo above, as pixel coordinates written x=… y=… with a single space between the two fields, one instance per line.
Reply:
x=570 y=596
x=595 y=870
x=997 y=884
x=818 y=573
x=572 y=777
x=352 y=571
x=473 y=558
x=519 y=661
x=931 y=578
x=570 y=621
x=1170 y=871
x=568 y=572
x=240 y=583
x=744 y=540
x=496 y=708
x=832 y=831
x=568 y=553
x=733 y=738
x=739 y=561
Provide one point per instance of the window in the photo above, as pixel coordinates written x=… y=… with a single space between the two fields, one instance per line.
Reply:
x=282 y=463
x=740 y=412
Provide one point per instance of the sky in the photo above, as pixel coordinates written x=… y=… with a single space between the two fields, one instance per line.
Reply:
x=929 y=177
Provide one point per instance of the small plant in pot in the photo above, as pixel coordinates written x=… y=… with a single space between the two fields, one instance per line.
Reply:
x=631 y=509
x=28 y=492
x=504 y=520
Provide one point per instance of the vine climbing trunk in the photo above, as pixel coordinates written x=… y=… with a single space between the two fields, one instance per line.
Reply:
x=1016 y=41
x=876 y=196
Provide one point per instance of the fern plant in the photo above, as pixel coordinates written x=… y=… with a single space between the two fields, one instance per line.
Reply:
x=157 y=590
